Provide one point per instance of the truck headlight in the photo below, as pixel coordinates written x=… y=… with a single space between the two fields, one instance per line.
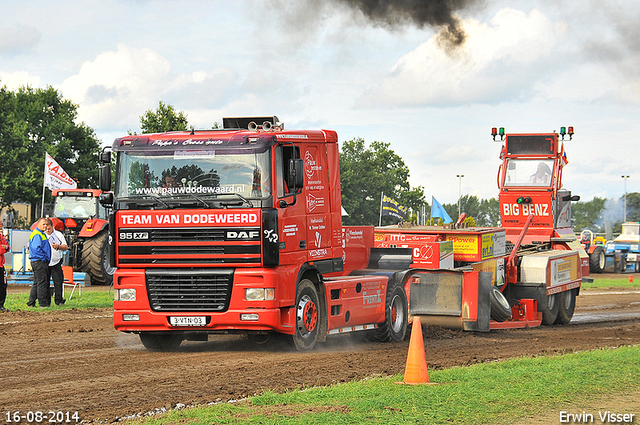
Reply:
x=259 y=294
x=125 y=294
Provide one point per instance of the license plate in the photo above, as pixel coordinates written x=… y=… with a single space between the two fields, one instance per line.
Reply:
x=188 y=321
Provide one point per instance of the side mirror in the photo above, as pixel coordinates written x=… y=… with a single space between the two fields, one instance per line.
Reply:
x=105 y=157
x=574 y=198
x=296 y=174
x=105 y=177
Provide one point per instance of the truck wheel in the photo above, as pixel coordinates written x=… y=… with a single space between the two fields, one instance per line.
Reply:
x=159 y=341
x=500 y=309
x=309 y=316
x=550 y=312
x=567 y=306
x=95 y=259
x=597 y=260
x=396 y=315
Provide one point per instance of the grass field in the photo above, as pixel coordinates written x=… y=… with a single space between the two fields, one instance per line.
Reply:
x=621 y=282
x=517 y=390
x=95 y=296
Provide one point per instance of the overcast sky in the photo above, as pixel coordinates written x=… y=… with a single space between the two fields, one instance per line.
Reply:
x=529 y=66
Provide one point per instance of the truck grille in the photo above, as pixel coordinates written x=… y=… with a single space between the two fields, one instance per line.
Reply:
x=189 y=290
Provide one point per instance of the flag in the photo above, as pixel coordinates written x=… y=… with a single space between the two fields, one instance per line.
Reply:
x=392 y=208
x=55 y=177
x=437 y=210
x=563 y=156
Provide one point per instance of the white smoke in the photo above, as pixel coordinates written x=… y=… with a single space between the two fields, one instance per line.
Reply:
x=612 y=214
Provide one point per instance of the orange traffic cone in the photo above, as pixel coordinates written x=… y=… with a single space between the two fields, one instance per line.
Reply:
x=415 y=371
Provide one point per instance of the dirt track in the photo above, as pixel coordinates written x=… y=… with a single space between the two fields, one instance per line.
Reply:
x=73 y=360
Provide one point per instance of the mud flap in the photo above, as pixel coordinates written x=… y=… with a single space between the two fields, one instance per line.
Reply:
x=452 y=299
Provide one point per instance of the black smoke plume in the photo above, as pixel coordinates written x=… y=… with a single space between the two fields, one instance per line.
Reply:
x=421 y=13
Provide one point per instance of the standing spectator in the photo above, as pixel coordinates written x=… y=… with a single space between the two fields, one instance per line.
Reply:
x=40 y=255
x=58 y=244
x=4 y=247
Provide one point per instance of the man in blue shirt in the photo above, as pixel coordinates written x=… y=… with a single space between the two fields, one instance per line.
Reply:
x=40 y=255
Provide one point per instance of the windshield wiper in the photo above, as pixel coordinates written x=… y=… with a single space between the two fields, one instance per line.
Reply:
x=150 y=197
x=243 y=200
x=196 y=197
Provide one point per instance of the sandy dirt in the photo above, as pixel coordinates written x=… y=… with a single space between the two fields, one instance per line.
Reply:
x=73 y=360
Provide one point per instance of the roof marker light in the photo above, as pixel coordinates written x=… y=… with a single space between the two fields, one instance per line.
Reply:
x=494 y=133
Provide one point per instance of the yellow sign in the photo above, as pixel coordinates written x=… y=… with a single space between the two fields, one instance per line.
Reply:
x=564 y=270
x=487 y=245
x=467 y=244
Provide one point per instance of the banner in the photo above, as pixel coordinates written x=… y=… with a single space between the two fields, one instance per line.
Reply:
x=437 y=210
x=392 y=208
x=55 y=177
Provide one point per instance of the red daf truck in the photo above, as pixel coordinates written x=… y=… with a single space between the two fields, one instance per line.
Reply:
x=237 y=230
x=240 y=230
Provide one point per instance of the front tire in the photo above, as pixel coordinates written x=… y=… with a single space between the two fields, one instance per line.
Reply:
x=567 y=306
x=597 y=260
x=396 y=315
x=159 y=341
x=309 y=316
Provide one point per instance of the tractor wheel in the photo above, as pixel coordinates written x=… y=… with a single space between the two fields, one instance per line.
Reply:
x=567 y=306
x=500 y=309
x=396 y=315
x=95 y=259
x=623 y=262
x=597 y=260
x=159 y=341
x=550 y=312
x=309 y=316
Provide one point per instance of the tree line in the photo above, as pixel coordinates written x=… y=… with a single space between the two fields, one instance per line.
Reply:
x=36 y=121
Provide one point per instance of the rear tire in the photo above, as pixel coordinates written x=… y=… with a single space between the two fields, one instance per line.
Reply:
x=623 y=262
x=567 y=306
x=159 y=341
x=550 y=312
x=500 y=309
x=597 y=260
x=95 y=259
x=396 y=315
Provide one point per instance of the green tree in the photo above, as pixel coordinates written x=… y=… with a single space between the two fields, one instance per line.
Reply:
x=366 y=173
x=165 y=118
x=588 y=215
x=32 y=123
x=633 y=206
x=485 y=212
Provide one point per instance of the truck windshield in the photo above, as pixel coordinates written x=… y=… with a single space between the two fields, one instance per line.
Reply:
x=196 y=173
x=75 y=206
x=529 y=172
